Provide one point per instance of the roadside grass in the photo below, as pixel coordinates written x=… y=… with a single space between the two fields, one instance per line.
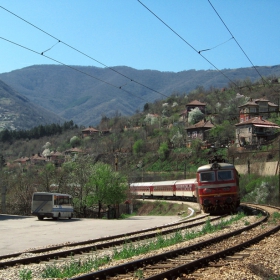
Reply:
x=160 y=208
x=129 y=250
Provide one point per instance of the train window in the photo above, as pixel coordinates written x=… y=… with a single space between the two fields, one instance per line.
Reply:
x=225 y=175
x=207 y=176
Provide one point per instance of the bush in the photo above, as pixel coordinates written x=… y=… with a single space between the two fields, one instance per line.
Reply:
x=163 y=151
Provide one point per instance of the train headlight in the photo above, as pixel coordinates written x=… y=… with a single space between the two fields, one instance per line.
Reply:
x=229 y=200
x=206 y=202
x=207 y=190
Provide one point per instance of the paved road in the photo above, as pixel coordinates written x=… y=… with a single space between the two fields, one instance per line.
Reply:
x=18 y=233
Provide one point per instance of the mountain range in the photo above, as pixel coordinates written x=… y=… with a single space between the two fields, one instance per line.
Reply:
x=42 y=94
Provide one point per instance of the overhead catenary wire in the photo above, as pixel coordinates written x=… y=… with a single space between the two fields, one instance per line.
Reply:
x=216 y=46
x=71 y=67
x=236 y=41
x=73 y=48
x=199 y=52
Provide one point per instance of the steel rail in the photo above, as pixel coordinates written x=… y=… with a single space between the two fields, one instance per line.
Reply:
x=101 y=239
x=132 y=266
x=94 y=247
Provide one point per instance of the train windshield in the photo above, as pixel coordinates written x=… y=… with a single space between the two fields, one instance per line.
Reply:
x=224 y=175
x=207 y=176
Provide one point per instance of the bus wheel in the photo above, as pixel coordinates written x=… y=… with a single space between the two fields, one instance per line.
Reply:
x=55 y=218
x=40 y=218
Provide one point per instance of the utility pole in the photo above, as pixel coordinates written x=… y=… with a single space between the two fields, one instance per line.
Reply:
x=185 y=168
x=3 y=199
x=116 y=162
x=279 y=172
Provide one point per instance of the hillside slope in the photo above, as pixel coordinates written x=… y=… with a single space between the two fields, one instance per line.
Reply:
x=17 y=112
x=85 y=94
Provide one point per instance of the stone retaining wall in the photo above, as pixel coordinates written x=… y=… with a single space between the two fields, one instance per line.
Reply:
x=261 y=168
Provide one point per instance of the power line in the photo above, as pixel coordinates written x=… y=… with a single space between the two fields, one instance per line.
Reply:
x=59 y=41
x=199 y=52
x=216 y=46
x=236 y=41
x=71 y=67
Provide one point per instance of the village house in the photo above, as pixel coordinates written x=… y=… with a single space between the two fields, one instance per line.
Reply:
x=253 y=128
x=256 y=107
x=37 y=159
x=89 y=131
x=255 y=131
x=198 y=130
x=56 y=157
x=195 y=104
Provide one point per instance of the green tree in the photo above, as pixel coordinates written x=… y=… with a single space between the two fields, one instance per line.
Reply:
x=77 y=180
x=46 y=176
x=138 y=146
x=107 y=187
x=222 y=133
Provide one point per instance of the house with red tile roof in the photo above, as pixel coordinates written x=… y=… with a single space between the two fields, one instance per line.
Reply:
x=89 y=131
x=197 y=131
x=255 y=131
x=195 y=104
x=256 y=107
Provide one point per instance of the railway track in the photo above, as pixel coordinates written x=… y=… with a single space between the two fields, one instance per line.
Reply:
x=177 y=263
x=146 y=268
x=79 y=249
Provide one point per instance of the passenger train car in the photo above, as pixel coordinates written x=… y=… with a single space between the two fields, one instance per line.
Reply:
x=215 y=188
x=180 y=189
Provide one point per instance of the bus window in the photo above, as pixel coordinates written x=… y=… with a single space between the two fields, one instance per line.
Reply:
x=40 y=197
x=225 y=175
x=62 y=200
x=207 y=176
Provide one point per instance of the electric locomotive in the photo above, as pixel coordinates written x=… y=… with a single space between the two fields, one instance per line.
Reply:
x=218 y=186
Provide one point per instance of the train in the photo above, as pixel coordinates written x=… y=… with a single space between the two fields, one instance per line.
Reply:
x=215 y=188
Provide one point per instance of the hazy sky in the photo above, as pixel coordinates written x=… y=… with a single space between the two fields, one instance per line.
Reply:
x=124 y=32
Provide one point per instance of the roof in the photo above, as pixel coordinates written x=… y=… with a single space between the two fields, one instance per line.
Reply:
x=56 y=154
x=74 y=150
x=258 y=121
x=22 y=159
x=254 y=102
x=208 y=167
x=261 y=100
x=196 y=102
x=91 y=129
x=249 y=103
x=37 y=157
x=272 y=104
x=202 y=124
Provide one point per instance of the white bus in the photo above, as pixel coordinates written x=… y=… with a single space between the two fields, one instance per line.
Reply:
x=51 y=205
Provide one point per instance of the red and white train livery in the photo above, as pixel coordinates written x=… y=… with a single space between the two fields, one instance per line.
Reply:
x=215 y=188
x=182 y=189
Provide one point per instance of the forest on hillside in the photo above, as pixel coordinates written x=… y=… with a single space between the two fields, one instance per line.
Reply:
x=85 y=98
x=139 y=148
